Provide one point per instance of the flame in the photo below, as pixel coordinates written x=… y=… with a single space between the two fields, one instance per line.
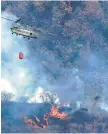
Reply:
x=37 y=119
x=31 y=122
x=54 y=112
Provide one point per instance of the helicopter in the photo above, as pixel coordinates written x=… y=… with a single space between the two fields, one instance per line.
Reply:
x=26 y=33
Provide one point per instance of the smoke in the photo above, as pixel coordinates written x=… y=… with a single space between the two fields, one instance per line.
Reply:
x=82 y=85
x=70 y=87
x=21 y=77
x=27 y=76
x=104 y=106
x=7 y=87
x=15 y=72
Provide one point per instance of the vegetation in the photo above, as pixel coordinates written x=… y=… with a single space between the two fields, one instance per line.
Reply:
x=13 y=120
x=75 y=35
x=6 y=97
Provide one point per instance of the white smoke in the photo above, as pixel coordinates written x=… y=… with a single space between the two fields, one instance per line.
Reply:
x=104 y=106
x=15 y=74
x=36 y=98
x=7 y=86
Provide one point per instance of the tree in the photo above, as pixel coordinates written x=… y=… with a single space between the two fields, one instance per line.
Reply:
x=49 y=97
x=6 y=96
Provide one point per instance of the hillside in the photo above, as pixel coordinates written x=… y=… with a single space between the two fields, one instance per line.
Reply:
x=79 y=121
x=69 y=60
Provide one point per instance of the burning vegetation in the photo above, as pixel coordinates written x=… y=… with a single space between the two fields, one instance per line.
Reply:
x=38 y=125
x=54 y=112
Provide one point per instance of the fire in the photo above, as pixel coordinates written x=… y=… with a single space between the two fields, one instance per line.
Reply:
x=31 y=122
x=37 y=119
x=54 y=112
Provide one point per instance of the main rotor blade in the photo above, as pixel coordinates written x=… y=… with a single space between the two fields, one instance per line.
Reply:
x=7 y=19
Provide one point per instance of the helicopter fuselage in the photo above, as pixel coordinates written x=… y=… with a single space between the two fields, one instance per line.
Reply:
x=26 y=33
